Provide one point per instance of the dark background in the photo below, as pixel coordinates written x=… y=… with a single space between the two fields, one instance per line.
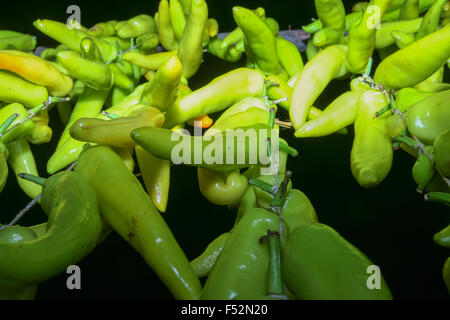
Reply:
x=391 y=223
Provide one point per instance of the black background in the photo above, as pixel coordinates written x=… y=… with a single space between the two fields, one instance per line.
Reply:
x=390 y=223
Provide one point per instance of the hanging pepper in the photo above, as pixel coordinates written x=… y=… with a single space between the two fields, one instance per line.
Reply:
x=130 y=212
x=15 y=89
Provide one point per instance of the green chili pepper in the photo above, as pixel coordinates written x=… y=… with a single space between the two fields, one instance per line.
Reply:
x=148 y=42
x=311 y=49
x=331 y=13
x=156 y=176
x=217 y=95
x=317 y=73
x=72 y=37
x=261 y=45
x=151 y=62
x=89 y=104
x=326 y=37
x=410 y=10
x=423 y=171
x=232 y=150
x=230 y=53
x=403 y=39
x=434 y=83
x=190 y=51
x=136 y=26
x=221 y=188
x=371 y=155
x=431 y=19
x=163 y=90
x=204 y=263
x=130 y=212
x=297 y=209
x=93 y=74
x=165 y=30
x=442 y=238
x=361 y=39
x=407 y=97
x=338 y=115
x=16 y=41
x=317 y=258
x=441 y=148
x=72 y=232
x=241 y=269
x=177 y=18
x=103 y=29
x=115 y=132
x=416 y=62
x=21 y=160
x=427 y=118
x=121 y=80
x=439 y=197
x=15 y=89
x=24 y=130
x=289 y=56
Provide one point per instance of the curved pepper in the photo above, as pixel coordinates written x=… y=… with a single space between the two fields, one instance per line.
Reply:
x=190 y=49
x=16 y=41
x=137 y=26
x=317 y=258
x=241 y=269
x=37 y=71
x=21 y=160
x=71 y=38
x=147 y=42
x=431 y=19
x=72 y=232
x=115 y=132
x=92 y=73
x=204 y=263
x=371 y=155
x=415 y=62
x=423 y=171
x=156 y=175
x=338 y=115
x=328 y=64
x=230 y=53
x=128 y=209
x=260 y=41
x=434 y=83
x=384 y=36
x=290 y=58
x=221 y=188
x=15 y=89
x=177 y=18
x=361 y=39
x=403 y=39
x=225 y=152
x=297 y=209
x=410 y=10
x=89 y=104
x=103 y=29
x=217 y=95
x=165 y=30
x=150 y=62
x=163 y=90
x=428 y=118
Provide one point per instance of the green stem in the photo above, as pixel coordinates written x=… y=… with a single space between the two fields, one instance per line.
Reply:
x=5 y=125
x=286 y=148
x=38 y=180
x=410 y=142
x=275 y=278
x=267 y=187
x=383 y=111
x=369 y=67
x=440 y=197
x=272 y=117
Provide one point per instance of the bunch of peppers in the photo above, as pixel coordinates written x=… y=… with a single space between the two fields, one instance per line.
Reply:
x=122 y=91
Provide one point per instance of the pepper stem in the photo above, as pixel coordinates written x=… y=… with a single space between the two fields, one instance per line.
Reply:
x=110 y=115
x=267 y=187
x=286 y=148
x=38 y=180
x=275 y=277
x=440 y=197
x=5 y=125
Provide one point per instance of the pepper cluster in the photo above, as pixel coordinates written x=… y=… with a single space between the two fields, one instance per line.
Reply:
x=122 y=91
